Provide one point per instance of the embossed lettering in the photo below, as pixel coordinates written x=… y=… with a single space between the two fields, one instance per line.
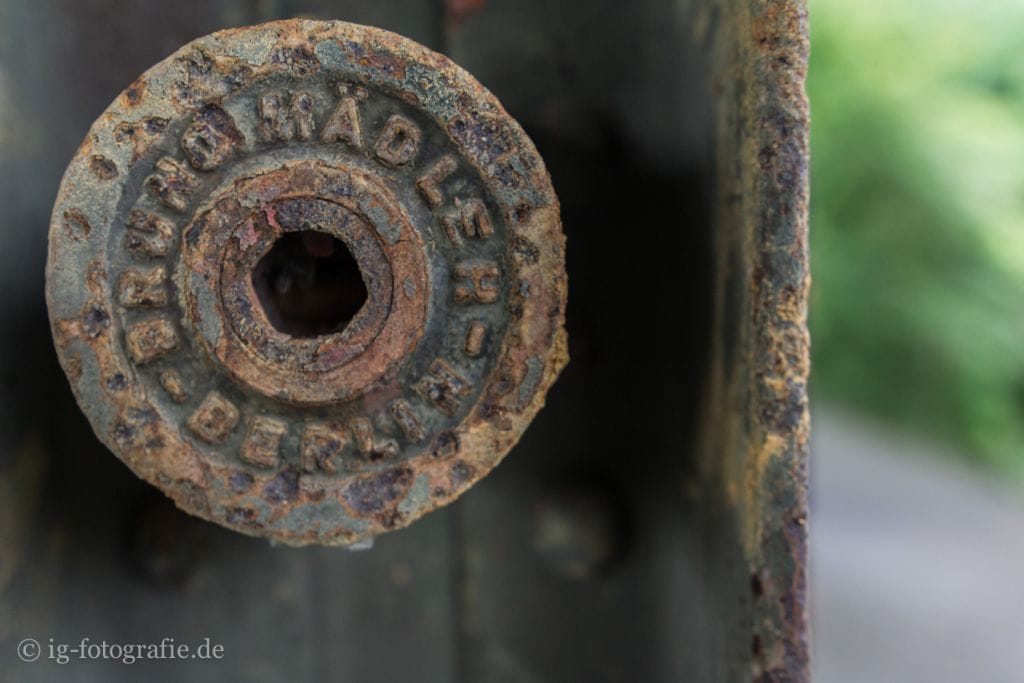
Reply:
x=262 y=441
x=283 y=120
x=214 y=419
x=211 y=138
x=321 y=444
x=476 y=282
x=367 y=443
x=475 y=333
x=142 y=288
x=443 y=387
x=172 y=383
x=172 y=184
x=399 y=141
x=429 y=183
x=149 y=234
x=471 y=217
x=344 y=123
x=150 y=339
x=407 y=419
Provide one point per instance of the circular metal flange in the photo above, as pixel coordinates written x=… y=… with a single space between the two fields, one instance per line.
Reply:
x=340 y=132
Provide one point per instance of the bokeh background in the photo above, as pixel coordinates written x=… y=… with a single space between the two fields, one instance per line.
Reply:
x=917 y=320
x=918 y=215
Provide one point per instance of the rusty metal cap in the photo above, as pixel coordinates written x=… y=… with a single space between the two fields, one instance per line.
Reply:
x=308 y=279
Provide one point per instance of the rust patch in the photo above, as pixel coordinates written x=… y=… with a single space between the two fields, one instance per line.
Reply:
x=755 y=457
x=102 y=167
x=76 y=225
x=371 y=495
x=298 y=59
x=133 y=93
x=283 y=488
x=140 y=134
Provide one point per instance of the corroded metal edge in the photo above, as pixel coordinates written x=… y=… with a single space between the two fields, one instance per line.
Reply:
x=755 y=448
x=537 y=340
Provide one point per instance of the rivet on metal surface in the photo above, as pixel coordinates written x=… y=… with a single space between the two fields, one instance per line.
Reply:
x=327 y=267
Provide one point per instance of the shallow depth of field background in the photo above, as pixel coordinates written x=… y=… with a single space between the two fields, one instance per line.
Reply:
x=917 y=317
x=918 y=217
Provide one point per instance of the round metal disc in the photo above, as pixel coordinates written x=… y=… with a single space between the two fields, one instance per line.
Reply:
x=211 y=196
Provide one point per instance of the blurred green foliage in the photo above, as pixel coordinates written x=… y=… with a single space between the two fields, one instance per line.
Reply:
x=917 y=218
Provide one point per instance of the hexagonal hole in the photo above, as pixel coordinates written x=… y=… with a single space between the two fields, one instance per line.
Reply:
x=309 y=284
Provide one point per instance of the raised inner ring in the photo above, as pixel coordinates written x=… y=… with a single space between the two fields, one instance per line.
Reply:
x=251 y=241
x=224 y=243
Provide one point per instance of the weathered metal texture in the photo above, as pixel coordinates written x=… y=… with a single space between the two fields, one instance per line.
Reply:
x=753 y=456
x=676 y=566
x=184 y=186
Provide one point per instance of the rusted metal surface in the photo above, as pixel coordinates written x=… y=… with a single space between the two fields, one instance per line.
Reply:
x=353 y=139
x=680 y=174
x=754 y=462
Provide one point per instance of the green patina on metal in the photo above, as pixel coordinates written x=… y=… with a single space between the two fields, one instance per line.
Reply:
x=261 y=130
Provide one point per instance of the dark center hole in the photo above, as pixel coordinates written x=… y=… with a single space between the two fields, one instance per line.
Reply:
x=309 y=284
